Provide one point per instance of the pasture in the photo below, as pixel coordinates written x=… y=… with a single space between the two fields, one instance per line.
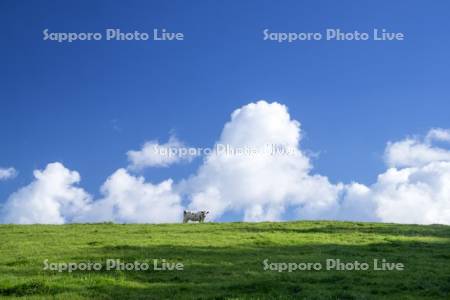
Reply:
x=225 y=261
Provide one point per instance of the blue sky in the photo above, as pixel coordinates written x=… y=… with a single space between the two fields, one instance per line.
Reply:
x=86 y=104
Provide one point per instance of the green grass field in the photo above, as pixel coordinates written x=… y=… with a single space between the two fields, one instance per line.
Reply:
x=225 y=261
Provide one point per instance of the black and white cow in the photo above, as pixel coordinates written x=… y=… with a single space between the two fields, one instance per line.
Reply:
x=195 y=216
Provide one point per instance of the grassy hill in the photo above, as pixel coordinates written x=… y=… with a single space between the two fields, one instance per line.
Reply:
x=225 y=260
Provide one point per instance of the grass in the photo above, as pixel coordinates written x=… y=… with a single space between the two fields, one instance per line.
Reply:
x=225 y=261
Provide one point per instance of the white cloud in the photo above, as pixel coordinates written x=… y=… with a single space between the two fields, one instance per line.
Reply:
x=51 y=198
x=129 y=199
x=7 y=173
x=419 y=195
x=414 y=195
x=356 y=204
x=262 y=186
x=413 y=152
x=259 y=186
x=438 y=134
x=416 y=189
x=153 y=154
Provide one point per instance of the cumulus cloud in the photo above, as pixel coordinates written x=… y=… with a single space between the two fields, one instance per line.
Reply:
x=438 y=134
x=54 y=198
x=356 y=204
x=419 y=195
x=51 y=198
x=416 y=189
x=261 y=184
x=411 y=152
x=262 y=174
x=129 y=199
x=414 y=195
x=7 y=173
x=415 y=152
x=153 y=154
